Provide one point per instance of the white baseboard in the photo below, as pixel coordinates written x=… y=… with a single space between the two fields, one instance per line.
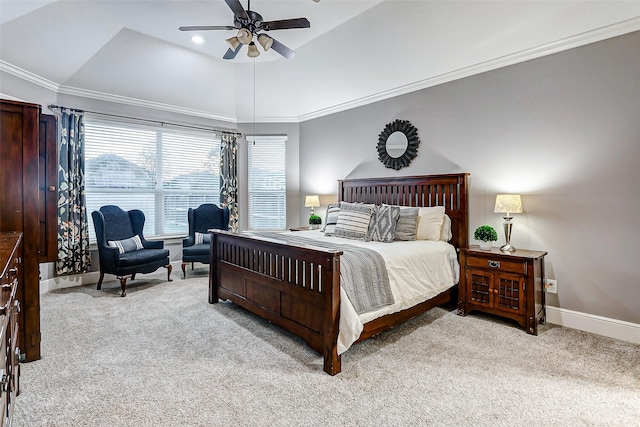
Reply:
x=90 y=278
x=611 y=328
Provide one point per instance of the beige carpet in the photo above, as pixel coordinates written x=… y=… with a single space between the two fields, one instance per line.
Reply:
x=163 y=356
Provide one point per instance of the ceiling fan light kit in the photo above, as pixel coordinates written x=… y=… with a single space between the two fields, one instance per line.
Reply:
x=233 y=42
x=249 y=24
x=244 y=36
x=253 y=51
x=265 y=41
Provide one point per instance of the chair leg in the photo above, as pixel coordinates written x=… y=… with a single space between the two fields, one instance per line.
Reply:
x=133 y=276
x=123 y=285
x=192 y=264
x=169 y=267
x=100 y=280
x=184 y=270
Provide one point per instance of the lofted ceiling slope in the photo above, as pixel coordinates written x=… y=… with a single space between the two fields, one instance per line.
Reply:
x=356 y=51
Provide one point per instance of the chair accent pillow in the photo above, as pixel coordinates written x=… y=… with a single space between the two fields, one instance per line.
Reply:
x=382 y=227
x=353 y=221
x=430 y=223
x=127 y=245
x=407 y=225
x=202 y=238
x=333 y=211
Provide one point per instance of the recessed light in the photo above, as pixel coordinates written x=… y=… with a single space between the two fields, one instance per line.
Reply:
x=197 y=39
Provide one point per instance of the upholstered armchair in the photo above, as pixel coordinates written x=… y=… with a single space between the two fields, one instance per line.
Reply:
x=122 y=248
x=197 y=246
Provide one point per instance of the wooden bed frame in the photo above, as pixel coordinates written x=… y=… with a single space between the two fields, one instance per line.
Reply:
x=298 y=287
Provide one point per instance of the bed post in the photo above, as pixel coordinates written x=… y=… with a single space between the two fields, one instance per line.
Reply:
x=332 y=361
x=213 y=269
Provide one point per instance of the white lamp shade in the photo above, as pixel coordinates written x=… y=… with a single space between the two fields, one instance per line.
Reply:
x=233 y=42
x=311 y=202
x=244 y=36
x=265 y=41
x=253 y=50
x=508 y=203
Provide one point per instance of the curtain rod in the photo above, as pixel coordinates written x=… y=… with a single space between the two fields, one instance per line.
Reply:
x=161 y=123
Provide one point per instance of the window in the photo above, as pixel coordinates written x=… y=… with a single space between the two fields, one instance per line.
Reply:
x=267 y=182
x=161 y=171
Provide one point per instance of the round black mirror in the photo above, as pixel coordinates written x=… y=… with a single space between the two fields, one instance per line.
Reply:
x=398 y=144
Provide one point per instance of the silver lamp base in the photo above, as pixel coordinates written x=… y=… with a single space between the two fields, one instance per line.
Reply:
x=507 y=235
x=507 y=248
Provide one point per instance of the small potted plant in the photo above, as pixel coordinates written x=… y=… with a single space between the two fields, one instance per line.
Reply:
x=315 y=221
x=485 y=234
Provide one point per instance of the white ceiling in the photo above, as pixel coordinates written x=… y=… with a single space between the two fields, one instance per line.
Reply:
x=355 y=52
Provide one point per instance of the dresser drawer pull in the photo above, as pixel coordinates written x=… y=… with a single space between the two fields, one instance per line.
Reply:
x=494 y=264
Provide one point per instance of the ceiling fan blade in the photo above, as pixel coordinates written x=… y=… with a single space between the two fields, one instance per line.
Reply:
x=232 y=53
x=282 y=49
x=237 y=8
x=207 y=27
x=284 y=24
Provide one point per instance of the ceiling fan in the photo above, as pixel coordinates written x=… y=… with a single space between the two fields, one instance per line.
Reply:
x=250 y=25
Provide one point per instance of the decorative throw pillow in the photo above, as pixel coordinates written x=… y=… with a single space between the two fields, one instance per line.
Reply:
x=127 y=245
x=333 y=211
x=430 y=223
x=382 y=227
x=202 y=238
x=445 y=234
x=407 y=225
x=353 y=221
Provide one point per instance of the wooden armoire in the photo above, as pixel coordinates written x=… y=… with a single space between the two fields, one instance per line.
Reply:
x=28 y=183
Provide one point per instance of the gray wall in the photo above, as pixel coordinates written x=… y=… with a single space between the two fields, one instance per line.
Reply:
x=563 y=131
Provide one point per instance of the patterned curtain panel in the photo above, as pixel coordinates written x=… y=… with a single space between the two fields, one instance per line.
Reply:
x=229 y=177
x=73 y=229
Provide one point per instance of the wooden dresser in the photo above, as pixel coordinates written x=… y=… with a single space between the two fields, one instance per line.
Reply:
x=28 y=170
x=10 y=274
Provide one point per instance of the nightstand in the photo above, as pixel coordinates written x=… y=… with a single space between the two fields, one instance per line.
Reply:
x=507 y=284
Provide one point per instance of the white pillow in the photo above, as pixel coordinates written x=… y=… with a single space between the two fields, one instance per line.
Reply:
x=445 y=234
x=430 y=223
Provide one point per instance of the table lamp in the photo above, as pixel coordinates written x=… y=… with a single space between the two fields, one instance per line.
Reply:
x=508 y=204
x=312 y=202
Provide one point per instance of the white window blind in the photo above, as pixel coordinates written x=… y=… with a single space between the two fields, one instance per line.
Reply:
x=267 y=182
x=161 y=171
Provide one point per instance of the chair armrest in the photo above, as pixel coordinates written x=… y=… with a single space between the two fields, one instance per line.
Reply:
x=188 y=241
x=152 y=244
x=109 y=257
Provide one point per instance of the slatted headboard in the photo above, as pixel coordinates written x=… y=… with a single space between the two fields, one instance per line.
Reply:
x=448 y=190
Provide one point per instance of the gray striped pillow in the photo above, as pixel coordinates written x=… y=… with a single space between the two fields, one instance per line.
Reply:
x=353 y=221
x=333 y=211
x=127 y=245
x=407 y=226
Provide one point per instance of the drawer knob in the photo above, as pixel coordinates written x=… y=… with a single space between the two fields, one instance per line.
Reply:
x=494 y=264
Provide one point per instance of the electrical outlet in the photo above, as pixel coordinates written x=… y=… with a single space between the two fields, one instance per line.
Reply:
x=551 y=286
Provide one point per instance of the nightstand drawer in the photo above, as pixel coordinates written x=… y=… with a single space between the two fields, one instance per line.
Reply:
x=497 y=264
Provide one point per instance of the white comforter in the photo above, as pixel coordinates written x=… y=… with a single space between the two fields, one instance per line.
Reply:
x=418 y=270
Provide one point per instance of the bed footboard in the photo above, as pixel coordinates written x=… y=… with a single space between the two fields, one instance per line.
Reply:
x=296 y=287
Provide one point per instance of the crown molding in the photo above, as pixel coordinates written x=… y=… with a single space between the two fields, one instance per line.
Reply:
x=28 y=76
x=578 y=40
x=571 y=42
x=102 y=96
